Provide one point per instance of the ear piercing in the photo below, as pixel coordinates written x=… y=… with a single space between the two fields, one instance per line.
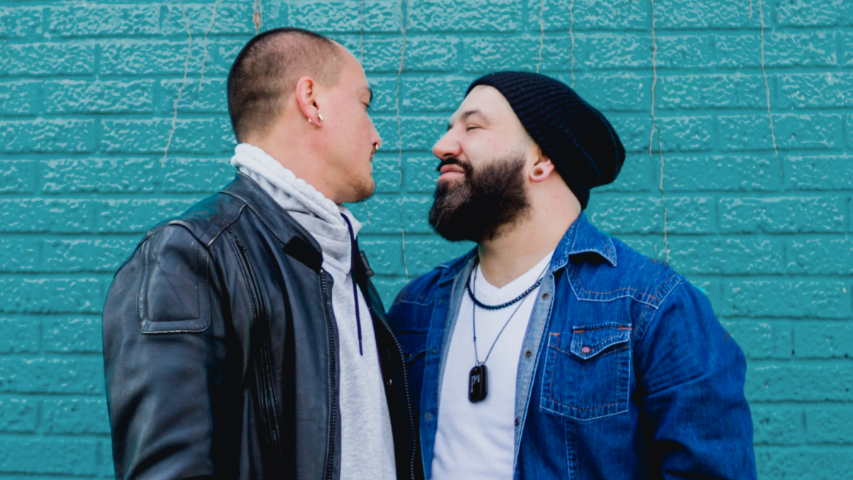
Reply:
x=309 y=121
x=320 y=116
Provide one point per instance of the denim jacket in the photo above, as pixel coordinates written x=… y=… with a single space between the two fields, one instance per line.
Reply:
x=624 y=373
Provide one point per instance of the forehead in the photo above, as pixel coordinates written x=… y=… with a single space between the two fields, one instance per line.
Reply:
x=489 y=101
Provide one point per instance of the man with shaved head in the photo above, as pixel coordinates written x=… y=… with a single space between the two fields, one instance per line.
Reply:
x=244 y=339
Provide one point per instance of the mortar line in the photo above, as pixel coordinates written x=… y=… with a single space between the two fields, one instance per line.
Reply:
x=767 y=89
x=572 y=36
x=183 y=83
x=652 y=134
x=206 y=32
x=403 y=22
x=541 y=34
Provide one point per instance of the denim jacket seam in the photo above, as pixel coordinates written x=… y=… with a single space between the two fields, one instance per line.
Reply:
x=628 y=291
x=643 y=326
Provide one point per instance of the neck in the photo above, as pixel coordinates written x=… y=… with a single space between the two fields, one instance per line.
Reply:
x=520 y=246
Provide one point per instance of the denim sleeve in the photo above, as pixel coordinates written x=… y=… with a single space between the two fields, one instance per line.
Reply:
x=690 y=379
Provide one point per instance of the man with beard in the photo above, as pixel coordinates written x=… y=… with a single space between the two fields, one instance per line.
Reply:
x=552 y=350
x=244 y=339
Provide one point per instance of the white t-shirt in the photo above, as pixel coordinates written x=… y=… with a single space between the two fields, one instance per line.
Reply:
x=476 y=440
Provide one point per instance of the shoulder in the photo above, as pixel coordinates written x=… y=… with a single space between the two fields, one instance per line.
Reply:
x=207 y=219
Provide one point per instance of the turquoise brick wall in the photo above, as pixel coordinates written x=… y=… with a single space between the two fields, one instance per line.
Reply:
x=113 y=117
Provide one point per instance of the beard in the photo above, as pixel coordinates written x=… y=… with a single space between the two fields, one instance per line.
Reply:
x=477 y=206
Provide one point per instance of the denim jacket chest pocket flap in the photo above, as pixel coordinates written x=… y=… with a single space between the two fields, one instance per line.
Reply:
x=587 y=371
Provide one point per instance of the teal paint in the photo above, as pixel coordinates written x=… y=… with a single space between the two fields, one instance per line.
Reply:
x=88 y=103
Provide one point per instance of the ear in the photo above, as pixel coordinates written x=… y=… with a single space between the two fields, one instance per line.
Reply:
x=541 y=169
x=306 y=98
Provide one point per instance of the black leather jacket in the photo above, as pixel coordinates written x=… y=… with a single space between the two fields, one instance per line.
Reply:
x=221 y=350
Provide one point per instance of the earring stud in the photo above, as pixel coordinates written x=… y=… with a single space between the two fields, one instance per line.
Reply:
x=320 y=116
x=309 y=121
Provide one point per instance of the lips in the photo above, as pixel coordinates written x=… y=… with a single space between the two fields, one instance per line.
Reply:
x=451 y=168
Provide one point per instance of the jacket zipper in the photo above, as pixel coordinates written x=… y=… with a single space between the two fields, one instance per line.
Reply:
x=265 y=376
x=333 y=414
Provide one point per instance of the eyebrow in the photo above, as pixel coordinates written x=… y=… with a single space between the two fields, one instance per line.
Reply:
x=466 y=114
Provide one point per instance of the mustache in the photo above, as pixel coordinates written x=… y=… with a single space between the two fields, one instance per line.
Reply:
x=455 y=161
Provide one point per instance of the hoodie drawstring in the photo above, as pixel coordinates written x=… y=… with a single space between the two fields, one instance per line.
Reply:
x=354 y=285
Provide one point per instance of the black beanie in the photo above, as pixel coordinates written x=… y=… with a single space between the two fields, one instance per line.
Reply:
x=585 y=149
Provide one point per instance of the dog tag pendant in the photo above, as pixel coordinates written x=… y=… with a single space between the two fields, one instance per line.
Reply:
x=477 y=384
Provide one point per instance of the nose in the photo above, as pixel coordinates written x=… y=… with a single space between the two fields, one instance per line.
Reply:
x=447 y=146
x=375 y=139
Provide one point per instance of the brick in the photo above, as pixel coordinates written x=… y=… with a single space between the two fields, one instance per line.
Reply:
x=94 y=20
x=420 y=175
x=783 y=214
x=756 y=339
x=44 y=215
x=780 y=50
x=47 y=136
x=434 y=93
x=700 y=14
x=820 y=256
x=378 y=214
x=684 y=51
x=424 y=254
x=847 y=49
x=389 y=287
x=152 y=136
x=486 y=54
x=416 y=213
x=47 y=59
x=823 y=340
x=76 y=335
x=793 y=131
x=18 y=415
x=147 y=57
x=76 y=416
x=423 y=54
x=830 y=426
x=727 y=256
x=196 y=175
x=136 y=216
x=231 y=18
x=386 y=173
x=20 y=98
x=345 y=15
x=75 y=456
x=678 y=92
x=588 y=15
x=52 y=376
x=799 y=383
x=619 y=92
x=85 y=254
x=814 y=90
x=823 y=464
x=17 y=176
x=778 y=426
x=644 y=214
x=849 y=130
x=721 y=173
x=419 y=133
x=50 y=295
x=814 y=13
x=786 y=298
x=19 y=336
x=71 y=96
x=486 y=16
x=676 y=134
x=99 y=175
x=20 y=22
x=384 y=94
x=828 y=172
x=206 y=96
x=18 y=255
x=385 y=254
x=633 y=177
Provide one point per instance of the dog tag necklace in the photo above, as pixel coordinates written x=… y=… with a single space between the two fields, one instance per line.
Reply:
x=478 y=379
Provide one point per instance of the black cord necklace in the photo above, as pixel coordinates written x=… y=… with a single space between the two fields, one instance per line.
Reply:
x=478 y=377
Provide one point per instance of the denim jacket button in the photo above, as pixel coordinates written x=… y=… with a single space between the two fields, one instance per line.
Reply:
x=585 y=350
x=528 y=354
x=428 y=416
x=517 y=422
x=433 y=350
x=544 y=295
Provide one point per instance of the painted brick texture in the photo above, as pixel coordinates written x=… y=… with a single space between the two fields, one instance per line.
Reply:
x=113 y=117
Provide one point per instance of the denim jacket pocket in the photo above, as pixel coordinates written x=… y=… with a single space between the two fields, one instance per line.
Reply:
x=587 y=371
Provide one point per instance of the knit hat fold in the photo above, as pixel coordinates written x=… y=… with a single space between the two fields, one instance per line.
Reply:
x=581 y=143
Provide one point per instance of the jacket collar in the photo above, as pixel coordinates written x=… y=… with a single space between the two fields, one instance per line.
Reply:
x=581 y=237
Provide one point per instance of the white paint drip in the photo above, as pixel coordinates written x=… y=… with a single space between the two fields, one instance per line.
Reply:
x=655 y=129
x=572 y=36
x=541 y=34
x=183 y=83
x=403 y=22
x=767 y=89
x=206 y=32
x=361 y=32
x=258 y=17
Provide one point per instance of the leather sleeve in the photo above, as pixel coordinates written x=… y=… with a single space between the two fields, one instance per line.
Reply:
x=163 y=360
x=690 y=375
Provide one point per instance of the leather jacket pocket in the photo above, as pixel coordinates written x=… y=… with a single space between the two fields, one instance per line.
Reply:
x=587 y=371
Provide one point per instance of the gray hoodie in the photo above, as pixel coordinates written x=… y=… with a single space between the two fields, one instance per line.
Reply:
x=367 y=443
